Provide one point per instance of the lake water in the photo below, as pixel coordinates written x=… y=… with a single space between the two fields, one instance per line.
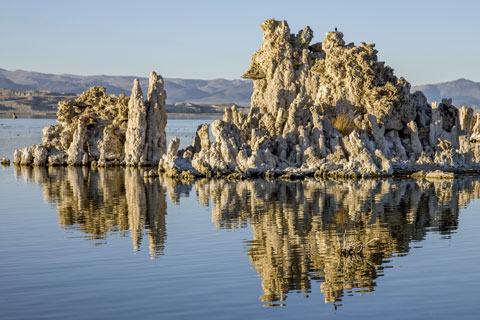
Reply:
x=78 y=243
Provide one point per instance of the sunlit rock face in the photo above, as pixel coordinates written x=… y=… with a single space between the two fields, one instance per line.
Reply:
x=145 y=137
x=329 y=107
x=336 y=236
x=98 y=129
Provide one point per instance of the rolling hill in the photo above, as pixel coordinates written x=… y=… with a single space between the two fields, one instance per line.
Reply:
x=216 y=91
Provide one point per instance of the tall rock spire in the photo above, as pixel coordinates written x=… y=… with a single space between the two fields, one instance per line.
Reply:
x=136 y=129
x=156 y=140
x=146 y=141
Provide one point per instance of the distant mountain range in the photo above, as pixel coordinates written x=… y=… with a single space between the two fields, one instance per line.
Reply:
x=216 y=91
x=462 y=91
x=205 y=92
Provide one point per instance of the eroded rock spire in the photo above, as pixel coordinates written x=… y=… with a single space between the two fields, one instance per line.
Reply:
x=137 y=128
x=156 y=140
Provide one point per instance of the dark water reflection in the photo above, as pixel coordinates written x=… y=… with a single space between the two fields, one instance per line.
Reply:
x=300 y=229
x=98 y=202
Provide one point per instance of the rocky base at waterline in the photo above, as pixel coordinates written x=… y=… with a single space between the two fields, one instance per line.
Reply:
x=332 y=109
x=97 y=129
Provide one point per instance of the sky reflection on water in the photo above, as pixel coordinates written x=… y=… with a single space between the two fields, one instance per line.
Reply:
x=216 y=249
x=300 y=230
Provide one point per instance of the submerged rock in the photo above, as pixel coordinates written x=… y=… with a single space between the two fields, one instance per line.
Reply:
x=101 y=130
x=5 y=162
x=437 y=174
x=329 y=107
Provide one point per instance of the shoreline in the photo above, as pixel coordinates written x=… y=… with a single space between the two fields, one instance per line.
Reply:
x=153 y=171
x=53 y=115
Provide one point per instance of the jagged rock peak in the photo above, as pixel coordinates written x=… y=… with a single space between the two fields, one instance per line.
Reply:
x=332 y=75
x=332 y=108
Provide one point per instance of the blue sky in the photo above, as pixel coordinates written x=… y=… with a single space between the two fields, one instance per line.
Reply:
x=424 y=41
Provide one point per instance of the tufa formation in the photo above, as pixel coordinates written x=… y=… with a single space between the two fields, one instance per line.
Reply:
x=327 y=109
x=101 y=130
x=332 y=109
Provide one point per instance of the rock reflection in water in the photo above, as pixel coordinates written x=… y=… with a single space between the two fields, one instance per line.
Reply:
x=97 y=202
x=300 y=228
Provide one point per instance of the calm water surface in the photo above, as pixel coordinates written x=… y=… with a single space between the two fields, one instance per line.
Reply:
x=79 y=243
